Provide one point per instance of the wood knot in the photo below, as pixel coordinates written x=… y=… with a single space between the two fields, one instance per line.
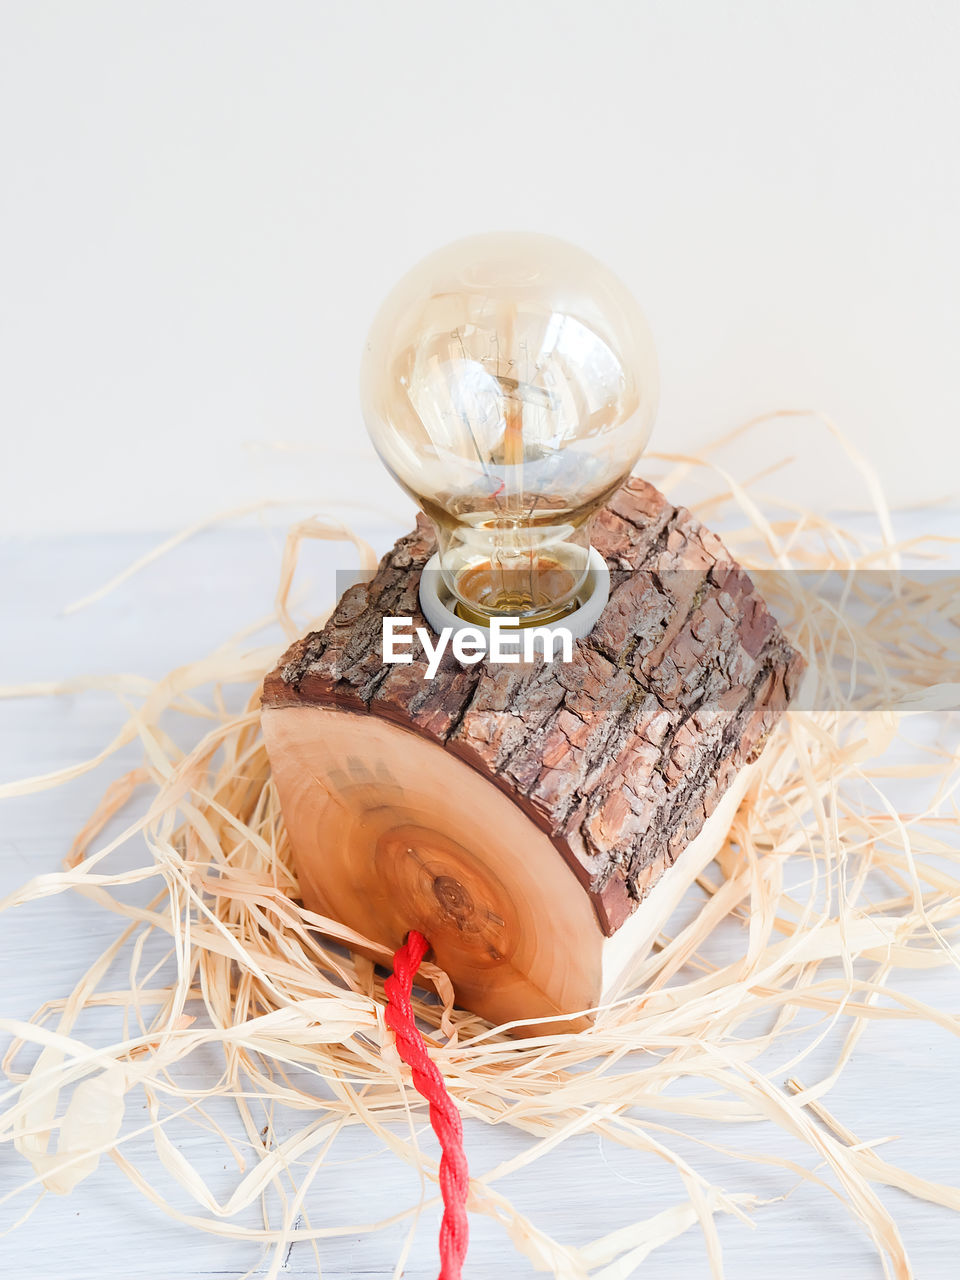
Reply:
x=454 y=898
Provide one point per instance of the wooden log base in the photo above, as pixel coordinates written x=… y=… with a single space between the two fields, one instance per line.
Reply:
x=518 y=816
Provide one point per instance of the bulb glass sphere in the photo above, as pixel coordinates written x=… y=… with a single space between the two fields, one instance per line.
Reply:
x=509 y=384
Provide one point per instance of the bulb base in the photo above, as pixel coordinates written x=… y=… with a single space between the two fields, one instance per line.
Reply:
x=478 y=619
x=439 y=605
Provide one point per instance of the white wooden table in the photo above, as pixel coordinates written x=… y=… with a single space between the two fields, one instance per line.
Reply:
x=904 y=1080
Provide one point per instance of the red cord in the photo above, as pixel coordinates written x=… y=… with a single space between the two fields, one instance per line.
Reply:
x=444 y=1116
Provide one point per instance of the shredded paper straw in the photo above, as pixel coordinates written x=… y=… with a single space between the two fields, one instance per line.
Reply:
x=841 y=893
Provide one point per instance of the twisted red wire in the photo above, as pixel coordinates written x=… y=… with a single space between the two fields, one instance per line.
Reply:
x=444 y=1116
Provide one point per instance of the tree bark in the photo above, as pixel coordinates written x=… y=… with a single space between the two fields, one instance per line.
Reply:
x=618 y=757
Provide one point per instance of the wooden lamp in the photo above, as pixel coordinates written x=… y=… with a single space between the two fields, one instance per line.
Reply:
x=536 y=821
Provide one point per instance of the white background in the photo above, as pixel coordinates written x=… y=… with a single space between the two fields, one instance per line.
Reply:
x=203 y=203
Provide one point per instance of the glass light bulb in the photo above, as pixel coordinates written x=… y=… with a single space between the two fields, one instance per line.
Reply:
x=509 y=384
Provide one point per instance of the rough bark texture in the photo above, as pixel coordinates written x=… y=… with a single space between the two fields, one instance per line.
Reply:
x=619 y=756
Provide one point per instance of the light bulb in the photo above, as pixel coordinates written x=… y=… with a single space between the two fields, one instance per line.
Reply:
x=509 y=384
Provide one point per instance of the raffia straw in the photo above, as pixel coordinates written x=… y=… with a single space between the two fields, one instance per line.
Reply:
x=298 y=1022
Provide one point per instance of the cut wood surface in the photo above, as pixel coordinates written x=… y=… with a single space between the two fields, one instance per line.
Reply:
x=434 y=803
